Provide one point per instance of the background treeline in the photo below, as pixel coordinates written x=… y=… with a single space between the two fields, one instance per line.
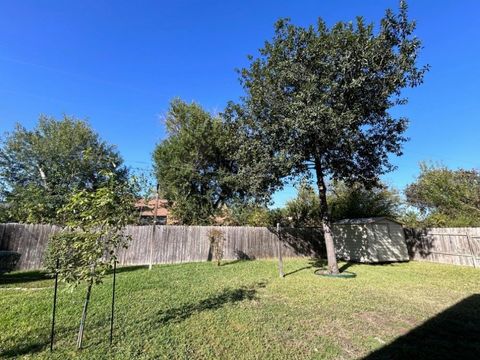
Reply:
x=316 y=105
x=42 y=169
x=45 y=170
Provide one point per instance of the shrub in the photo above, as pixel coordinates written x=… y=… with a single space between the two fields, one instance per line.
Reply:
x=217 y=239
x=8 y=261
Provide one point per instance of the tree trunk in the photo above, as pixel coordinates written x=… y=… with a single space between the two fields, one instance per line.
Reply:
x=43 y=177
x=325 y=219
x=84 y=316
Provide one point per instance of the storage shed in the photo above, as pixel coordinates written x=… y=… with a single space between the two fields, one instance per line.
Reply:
x=370 y=240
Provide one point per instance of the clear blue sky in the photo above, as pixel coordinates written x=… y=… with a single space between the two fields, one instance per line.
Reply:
x=118 y=63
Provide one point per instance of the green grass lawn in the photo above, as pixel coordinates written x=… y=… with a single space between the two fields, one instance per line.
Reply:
x=243 y=310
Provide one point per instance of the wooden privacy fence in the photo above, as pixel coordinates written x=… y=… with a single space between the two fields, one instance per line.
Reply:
x=173 y=244
x=458 y=246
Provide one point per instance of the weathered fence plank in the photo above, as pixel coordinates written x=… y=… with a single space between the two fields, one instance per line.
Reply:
x=29 y=240
x=458 y=246
x=174 y=244
x=171 y=244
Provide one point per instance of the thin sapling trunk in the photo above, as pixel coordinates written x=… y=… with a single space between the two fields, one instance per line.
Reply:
x=84 y=316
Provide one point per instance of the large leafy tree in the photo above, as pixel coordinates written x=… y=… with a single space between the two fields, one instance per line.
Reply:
x=194 y=165
x=40 y=168
x=318 y=98
x=446 y=197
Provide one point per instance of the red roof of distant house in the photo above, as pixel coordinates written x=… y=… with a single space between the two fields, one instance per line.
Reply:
x=148 y=208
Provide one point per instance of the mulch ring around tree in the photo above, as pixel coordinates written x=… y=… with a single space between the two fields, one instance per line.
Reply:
x=342 y=275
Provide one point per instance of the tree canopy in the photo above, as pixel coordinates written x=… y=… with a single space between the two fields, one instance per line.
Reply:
x=194 y=165
x=445 y=197
x=318 y=98
x=94 y=222
x=42 y=167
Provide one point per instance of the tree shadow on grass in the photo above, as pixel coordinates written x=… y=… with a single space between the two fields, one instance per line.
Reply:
x=22 y=349
x=227 y=296
x=231 y=262
x=345 y=266
x=322 y=264
x=317 y=262
x=240 y=257
x=36 y=341
x=128 y=268
x=39 y=275
x=298 y=270
x=452 y=334
x=23 y=277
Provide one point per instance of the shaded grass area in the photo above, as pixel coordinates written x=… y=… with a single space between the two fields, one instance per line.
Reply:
x=23 y=277
x=245 y=311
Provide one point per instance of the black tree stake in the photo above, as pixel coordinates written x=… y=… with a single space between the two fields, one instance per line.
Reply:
x=113 y=301
x=52 y=333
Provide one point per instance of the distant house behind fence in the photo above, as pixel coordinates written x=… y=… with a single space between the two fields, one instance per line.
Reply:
x=146 y=211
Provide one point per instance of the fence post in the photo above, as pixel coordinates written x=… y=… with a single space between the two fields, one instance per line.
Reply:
x=280 y=260
x=153 y=230
x=471 y=250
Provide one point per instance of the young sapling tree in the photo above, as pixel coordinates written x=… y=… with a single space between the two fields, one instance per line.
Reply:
x=87 y=246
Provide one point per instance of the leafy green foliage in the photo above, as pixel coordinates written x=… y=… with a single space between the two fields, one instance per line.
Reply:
x=304 y=210
x=249 y=214
x=345 y=202
x=4 y=214
x=145 y=184
x=95 y=221
x=412 y=219
x=356 y=201
x=445 y=197
x=41 y=168
x=319 y=98
x=194 y=167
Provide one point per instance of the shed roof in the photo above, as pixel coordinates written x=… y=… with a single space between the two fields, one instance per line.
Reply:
x=362 y=221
